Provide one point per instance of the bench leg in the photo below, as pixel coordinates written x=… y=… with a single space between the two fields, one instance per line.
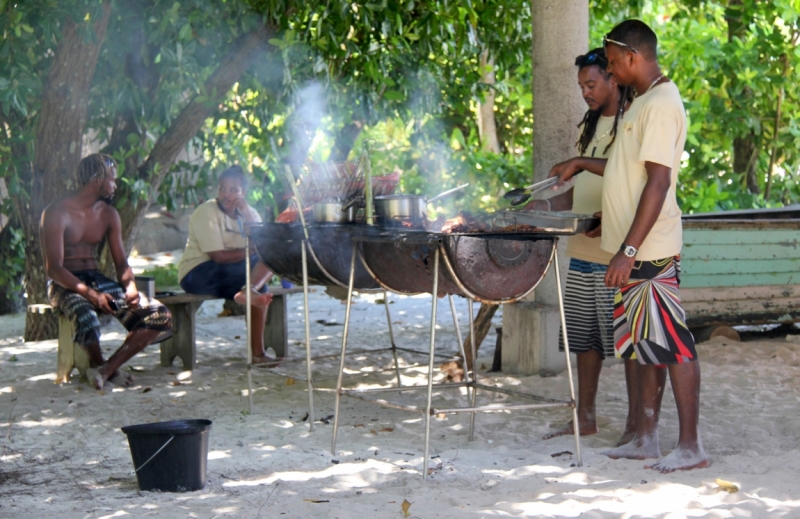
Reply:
x=70 y=354
x=276 y=329
x=182 y=342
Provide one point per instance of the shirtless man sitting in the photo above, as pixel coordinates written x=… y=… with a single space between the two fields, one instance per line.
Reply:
x=71 y=230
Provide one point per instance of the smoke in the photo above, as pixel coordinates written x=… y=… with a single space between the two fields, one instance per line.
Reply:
x=311 y=107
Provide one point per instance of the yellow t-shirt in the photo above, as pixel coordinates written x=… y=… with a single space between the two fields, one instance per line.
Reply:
x=653 y=130
x=587 y=197
x=210 y=229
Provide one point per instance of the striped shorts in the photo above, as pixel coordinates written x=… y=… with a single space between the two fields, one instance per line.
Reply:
x=150 y=314
x=649 y=320
x=588 y=309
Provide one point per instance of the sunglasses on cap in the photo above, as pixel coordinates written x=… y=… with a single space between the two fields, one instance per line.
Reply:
x=592 y=58
x=606 y=40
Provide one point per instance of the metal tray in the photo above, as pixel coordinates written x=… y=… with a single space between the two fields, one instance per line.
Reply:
x=560 y=222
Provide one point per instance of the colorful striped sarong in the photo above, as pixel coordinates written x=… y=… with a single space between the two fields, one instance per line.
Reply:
x=649 y=320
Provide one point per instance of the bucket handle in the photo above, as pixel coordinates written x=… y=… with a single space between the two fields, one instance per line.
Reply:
x=154 y=455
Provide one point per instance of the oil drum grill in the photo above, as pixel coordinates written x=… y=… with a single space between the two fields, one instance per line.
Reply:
x=493 y=267
x=319 y=254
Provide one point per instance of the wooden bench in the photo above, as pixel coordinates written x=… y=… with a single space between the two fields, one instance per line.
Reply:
x=184 y=307
x=182 y=343
x=70 y=354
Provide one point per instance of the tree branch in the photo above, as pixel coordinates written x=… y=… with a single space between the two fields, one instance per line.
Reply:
x=191 y=120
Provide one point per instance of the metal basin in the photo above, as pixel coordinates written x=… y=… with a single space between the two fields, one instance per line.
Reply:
x=329 y=252
x=492 y=271
x=496 y=271
x=406 y=267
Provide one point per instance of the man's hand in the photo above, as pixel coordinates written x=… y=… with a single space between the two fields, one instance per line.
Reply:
x=132 y=296
x=101 y=301
x=564 y=171
x=619 y=270
x=597 y=231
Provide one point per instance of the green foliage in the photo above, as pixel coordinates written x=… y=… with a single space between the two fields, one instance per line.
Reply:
x=730 y=88
x=165 y=276
x=12 y=260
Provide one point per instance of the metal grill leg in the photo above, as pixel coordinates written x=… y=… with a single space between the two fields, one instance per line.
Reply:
x=391 y=337
x=344 y=350
x=460 y=343
x=309 y=376
x=474 y=354
x=575 y=425
x=249 y=323
x=434 y=297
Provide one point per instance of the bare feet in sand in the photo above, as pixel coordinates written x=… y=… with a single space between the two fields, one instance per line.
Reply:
x=626 y=437
x=96 y=378
x=587 y=429
x=636 y=449
x=681 y=459
x=265 y=361
x=122 y=379
x=256 y=298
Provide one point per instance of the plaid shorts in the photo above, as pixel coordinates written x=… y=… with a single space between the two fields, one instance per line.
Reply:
x=150 y=314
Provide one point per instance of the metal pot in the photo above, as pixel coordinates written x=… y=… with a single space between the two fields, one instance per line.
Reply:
x=398 y=208
x=413 y=208
x=334 y=212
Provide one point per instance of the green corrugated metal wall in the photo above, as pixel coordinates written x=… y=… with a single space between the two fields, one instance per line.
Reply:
x=736 y=257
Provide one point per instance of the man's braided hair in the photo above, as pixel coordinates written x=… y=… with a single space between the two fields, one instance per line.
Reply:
x=94 y=166
x=597 y=58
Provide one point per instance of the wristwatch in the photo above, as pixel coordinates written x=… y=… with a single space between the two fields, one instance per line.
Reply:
x=628 y=250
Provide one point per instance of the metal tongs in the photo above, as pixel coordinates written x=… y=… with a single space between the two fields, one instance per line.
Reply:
x=521 y=195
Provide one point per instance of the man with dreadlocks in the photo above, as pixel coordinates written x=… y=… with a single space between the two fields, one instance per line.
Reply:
x=71 y=231
x=588 y=303
x=642 y=227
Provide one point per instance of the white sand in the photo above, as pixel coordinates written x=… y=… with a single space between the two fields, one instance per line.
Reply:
x=63 y=454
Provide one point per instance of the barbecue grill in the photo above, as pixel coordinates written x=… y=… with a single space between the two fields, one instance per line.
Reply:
x=499 y=266
x=280 y=245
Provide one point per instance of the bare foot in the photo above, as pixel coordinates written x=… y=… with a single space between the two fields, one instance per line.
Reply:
x=636 y=449
x=682 y=459
x=122 y=379
x=453 y=370
x=626 y=437
x=96 y=378
x=265 y=361
x=256 y=298
x=587 y=429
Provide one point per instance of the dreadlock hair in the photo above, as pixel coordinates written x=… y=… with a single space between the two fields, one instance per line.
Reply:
x=97 y=165
x=597 y=58
x=236 y=173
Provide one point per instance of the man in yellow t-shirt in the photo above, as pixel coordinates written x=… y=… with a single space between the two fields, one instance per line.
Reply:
x=214 y=261
x=642 y=227
x=588 y=303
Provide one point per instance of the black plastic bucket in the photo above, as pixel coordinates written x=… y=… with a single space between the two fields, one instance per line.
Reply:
x=170 y=456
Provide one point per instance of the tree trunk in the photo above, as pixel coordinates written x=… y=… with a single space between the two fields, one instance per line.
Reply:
x=483 y=325
x=487 y=128
x=190 y=121
x=745 y=152
x=59 y=137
